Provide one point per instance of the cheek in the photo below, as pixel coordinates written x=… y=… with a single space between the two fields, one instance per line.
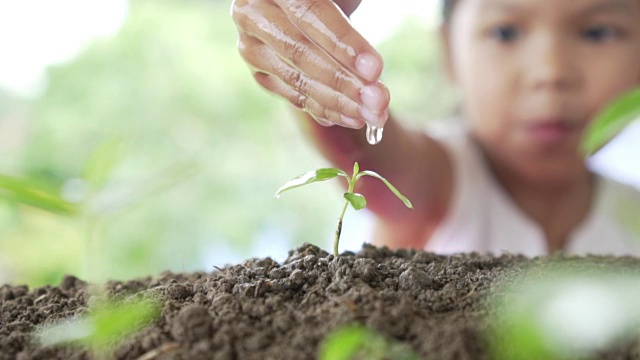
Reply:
x=486 y=93
x=607 y=81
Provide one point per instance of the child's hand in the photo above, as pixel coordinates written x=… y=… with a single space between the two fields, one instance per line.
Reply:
x=307 y=52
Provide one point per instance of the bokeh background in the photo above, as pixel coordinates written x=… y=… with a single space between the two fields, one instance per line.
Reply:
x=142 y=115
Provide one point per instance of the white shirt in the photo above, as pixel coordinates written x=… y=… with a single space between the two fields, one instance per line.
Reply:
x=483 y=218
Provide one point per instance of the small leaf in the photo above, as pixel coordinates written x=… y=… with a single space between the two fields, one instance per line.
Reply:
x=311 y=177
x=344 y=343
x=356 y=169
x=36 y=194
x=356 y=200
x=611 y=121
x=393 y=189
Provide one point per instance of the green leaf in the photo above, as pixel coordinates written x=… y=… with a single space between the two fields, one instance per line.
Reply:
x=613 y=119
x=393 y=189
x=356 y=169
x=103 y=327
x=103 y=161
x=311 y=177
x=344 y=343
x=356 y=200
x=32 y=193
x=358 y=342
x=118 y=320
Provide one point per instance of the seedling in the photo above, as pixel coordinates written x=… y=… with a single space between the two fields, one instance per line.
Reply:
x=356 y=200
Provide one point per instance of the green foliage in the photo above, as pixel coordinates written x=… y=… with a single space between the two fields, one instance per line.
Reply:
x=105 y=325
x=29 y=192
x=356 y=200
x=559 y=313
x=311 y=177
x=357 y=342
x=613 y=119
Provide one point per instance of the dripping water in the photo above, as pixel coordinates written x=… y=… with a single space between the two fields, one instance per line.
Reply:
x=374 y=134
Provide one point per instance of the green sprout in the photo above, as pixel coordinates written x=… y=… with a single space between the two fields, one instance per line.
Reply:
x=356 y=200
x=100 y=330
x=611 y=121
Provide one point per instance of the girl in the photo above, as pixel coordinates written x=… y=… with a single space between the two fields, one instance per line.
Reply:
x=532 y=75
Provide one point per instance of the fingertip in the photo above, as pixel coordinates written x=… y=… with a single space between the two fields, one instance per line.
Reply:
x=384 y=116
x=374 y=119
x=368 y=66
x=351 y=122
x=375 y=97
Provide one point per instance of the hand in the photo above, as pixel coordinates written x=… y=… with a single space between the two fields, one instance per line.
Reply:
x=307 y=52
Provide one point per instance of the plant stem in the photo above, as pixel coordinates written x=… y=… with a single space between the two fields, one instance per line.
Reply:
x=336 y=240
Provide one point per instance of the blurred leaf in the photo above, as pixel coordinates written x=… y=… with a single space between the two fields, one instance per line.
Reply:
x=311 y=177
x=103 y=160
x=393 y=189
x=102 y=327
x=556 y=313
x=344 y=343
x=31 y=193
x=613 y=119
x=358 y=342
x=356 y=200
x=118 y=320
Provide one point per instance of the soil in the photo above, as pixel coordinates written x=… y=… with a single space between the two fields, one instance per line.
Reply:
x=437 y=305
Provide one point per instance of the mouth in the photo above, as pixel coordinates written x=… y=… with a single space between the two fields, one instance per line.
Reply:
x=551 y=131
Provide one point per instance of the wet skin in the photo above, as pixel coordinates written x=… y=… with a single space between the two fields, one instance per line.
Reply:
x=532 y=74
x=308 y=53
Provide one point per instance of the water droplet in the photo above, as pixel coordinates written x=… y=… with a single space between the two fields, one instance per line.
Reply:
x=374 y=134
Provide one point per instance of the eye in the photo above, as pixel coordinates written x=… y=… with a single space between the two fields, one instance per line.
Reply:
x=600 y=33
x=505 y=34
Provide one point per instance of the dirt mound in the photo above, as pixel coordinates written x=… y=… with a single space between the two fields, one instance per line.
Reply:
x=261 y=309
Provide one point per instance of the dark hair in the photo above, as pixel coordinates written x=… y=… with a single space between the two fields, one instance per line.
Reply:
x=447 y=9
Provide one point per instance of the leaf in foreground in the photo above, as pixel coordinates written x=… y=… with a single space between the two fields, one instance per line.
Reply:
x=613 y=119
x=29 y=192
x=103 y=327
x=358 y=342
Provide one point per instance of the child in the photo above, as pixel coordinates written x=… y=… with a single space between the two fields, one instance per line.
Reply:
x=532 y=75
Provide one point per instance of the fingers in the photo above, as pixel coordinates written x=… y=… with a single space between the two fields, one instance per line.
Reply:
x=322 y=115
x=293 y=65
x=261 y=57
x=322 y=21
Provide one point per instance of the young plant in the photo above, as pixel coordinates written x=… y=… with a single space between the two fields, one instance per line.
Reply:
x=356 y=200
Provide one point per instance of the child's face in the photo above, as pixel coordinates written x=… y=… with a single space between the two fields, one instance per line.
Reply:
x=533 y=73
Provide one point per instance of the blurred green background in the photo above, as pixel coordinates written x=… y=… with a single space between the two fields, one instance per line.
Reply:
x=171 y=154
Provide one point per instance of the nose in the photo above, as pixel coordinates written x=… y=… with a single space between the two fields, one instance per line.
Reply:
x=551 y=64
